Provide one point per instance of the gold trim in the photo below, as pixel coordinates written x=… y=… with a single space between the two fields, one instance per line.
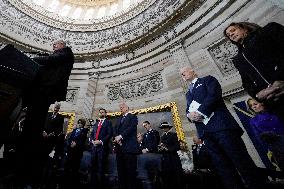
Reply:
x=243 y=111
x=172 y=106
x=71 y=120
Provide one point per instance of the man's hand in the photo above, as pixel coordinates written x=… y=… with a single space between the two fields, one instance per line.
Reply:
x=96 y=142
x=194 y=116
x=73 y=144
x=144 y=151
x=118 y=139
x=44 y=134
x=272 y=92
x=162 y=147
x=51 y=134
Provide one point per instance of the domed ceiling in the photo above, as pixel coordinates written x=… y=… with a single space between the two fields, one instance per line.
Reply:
x=112 y=25
x=82 y=15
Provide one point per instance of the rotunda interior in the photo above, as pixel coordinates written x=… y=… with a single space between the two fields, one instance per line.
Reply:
x=132 y=51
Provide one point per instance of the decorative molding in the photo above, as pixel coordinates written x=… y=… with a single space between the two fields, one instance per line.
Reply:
x=39 y=35
x=66 y=23
x=90 y=2
x=71 y=120
x=235 y=91
x=137 y=87
x=72 y=95
x=222 y=52
x=2 y=45
x=94 y=75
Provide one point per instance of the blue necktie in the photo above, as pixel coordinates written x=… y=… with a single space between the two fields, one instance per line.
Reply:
x=191 y=87
x=122 y=119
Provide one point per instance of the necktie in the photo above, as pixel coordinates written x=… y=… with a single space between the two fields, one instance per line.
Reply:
x=77 y=132
x=53 y=116
x=99 y=129
x=191 y=87
x=122 y=119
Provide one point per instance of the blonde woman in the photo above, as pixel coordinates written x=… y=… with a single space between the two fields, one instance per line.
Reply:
x=269 y=128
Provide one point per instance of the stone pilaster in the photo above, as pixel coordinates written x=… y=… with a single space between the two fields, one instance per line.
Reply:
x=179 y=55
x=89 y=100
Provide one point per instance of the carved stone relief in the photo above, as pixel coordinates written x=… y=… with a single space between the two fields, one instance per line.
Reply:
x=72 y=95
x=2 y=45
x=138 y=87
x=222 y=53
x=15 y=22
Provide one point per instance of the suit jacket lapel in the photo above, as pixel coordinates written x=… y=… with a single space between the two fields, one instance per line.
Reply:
x=194 y=87
x=189 y=96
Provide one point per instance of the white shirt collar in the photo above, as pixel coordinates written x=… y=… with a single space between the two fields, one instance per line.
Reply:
x=193 y=81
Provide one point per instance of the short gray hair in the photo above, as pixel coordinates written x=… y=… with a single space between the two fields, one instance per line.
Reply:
x=57 y=105
x=61 y=42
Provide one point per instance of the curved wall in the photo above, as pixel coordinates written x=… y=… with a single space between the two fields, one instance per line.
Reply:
x=199 y=44
x=147 y=74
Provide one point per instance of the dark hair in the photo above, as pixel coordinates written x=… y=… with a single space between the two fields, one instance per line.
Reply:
x=147 y=122
x=250 y=27
x=82 y=121
x=103 y=110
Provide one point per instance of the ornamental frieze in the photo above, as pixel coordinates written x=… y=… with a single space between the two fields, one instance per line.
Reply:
x=67 y=23
x=222 y=53
x=34 y=33
x=72 y=95
x=138 y=87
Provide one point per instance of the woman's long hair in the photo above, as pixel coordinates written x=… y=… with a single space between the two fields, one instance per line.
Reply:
x=250 y=27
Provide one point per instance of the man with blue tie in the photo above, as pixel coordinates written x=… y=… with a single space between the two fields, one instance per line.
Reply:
x=220 y=132
x=75 y=149
x=125 y=132
x=100 y=137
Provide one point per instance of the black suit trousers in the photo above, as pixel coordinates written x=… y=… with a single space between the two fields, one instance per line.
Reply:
x=29 y=148
x=126 y=168
x=230 y=158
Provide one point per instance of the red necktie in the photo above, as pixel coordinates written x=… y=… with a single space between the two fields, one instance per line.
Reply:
x=98 y=129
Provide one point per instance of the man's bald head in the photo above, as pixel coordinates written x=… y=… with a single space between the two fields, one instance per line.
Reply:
x=187 y=74
x=60 y=44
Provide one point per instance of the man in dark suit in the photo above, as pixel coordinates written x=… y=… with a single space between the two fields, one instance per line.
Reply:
x=150 y=140
x=75 y=149
x=50 y=86
x=220 y=132
x=100 y=137
x=53 y=128
x=200 y=155
x=125 y=132
x=52 y=137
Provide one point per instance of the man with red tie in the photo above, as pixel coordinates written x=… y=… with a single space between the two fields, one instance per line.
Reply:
x=100 y=136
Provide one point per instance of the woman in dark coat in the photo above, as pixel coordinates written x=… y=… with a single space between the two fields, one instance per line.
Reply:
x=171 y=164
x=260 y=61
